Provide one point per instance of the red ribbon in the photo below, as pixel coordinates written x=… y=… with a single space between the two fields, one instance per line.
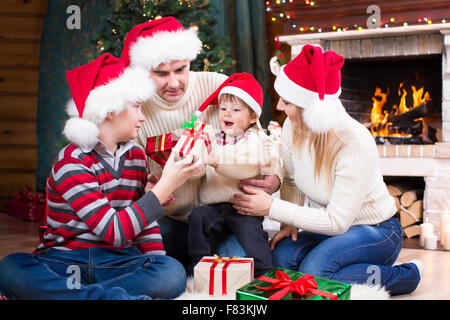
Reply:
x=301 y=286
x=227 y=262
x=192 y=136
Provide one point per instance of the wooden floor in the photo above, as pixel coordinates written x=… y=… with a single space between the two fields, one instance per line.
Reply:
x=20 y=236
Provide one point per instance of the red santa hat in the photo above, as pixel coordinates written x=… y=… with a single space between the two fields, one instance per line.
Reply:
x=99 y=87
x=312 y=81
x=160 y=41
x=242 y=85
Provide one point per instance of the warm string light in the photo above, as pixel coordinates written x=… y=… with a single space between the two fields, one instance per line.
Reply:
x=392 y=22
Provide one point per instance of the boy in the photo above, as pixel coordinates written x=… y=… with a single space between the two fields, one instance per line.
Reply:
x=102 y=240
x=241 y=149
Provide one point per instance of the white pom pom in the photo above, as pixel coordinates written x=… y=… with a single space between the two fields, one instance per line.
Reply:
x=81 y=132
x=322 y=115
x=197 y=113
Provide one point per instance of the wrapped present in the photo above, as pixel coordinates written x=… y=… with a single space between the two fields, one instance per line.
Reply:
x=283 y=284
x=27 y=206
x=158 y=148
x=221 y=275
x=194 y=141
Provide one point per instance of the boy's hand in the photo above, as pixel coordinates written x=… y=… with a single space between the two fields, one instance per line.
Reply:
x=210 y=160
x=151 y=182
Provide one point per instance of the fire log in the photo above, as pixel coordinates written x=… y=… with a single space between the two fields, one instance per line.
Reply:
x=409 y=116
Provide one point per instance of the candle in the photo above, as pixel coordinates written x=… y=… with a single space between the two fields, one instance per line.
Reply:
x=446 y=244
x=426 y=229
x=431 y=242
x=444 y=225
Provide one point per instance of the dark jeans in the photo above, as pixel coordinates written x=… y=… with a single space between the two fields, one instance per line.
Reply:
x=209 y=225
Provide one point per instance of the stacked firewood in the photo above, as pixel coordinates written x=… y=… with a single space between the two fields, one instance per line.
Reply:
x=409 y=206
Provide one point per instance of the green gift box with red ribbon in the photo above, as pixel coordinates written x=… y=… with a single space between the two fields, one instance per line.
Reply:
x=283 y=284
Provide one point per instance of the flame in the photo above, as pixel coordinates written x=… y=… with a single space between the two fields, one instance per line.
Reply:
x=380 y=118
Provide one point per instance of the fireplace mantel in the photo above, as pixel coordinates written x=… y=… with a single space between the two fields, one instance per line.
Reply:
x=293 y=40
x=380 y=42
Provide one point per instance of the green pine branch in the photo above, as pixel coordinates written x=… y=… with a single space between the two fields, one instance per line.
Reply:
x=125 y=14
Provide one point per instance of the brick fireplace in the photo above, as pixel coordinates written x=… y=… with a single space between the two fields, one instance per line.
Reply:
x=431 y=159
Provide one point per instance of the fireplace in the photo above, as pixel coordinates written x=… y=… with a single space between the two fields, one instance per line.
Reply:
x=398 y=100
x=384 y=69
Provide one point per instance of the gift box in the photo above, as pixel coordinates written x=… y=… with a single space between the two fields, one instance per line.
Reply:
x=283 y=284
x=222 y=275
x=194 y=141
x=158 y=148
x=27 y=206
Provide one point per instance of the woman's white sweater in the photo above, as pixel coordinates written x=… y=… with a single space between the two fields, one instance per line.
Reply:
x=357 y=194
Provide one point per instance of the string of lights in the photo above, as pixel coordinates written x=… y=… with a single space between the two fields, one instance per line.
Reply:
x=273 y=9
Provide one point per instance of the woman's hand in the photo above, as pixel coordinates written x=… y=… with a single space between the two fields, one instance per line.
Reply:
x=284 y=232
x=151 y=182
x=175 y=173
x=255 y=203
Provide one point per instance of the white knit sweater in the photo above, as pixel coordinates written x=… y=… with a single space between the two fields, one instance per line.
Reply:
x=239 y=161
x=357 y=194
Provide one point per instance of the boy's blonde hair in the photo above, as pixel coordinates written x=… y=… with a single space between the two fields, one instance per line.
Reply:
x=325 y=146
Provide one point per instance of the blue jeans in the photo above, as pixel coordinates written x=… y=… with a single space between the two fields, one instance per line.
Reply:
x=363 y=255
x=91 y=274
x=175 y=239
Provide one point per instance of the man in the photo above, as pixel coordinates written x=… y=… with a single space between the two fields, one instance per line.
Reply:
x=165 y=49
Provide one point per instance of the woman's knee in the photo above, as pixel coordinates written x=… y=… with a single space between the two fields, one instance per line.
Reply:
x=318 y=267
x=282 y=255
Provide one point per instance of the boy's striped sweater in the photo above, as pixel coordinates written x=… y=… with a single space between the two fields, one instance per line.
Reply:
x=93 y=205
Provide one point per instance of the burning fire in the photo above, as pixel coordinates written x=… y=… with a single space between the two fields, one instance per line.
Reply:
x=381 y=119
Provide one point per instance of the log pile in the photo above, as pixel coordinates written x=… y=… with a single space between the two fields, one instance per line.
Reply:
x=409 y=204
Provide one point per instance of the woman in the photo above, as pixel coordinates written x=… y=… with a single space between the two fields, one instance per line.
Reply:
x=348 y=233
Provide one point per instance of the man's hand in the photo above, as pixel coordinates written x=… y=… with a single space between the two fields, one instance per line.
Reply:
x=270 y=183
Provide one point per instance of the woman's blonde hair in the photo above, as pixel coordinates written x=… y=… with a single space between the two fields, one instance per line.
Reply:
x=324 y=145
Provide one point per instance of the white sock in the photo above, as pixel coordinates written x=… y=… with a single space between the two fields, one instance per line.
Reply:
x=419 y=264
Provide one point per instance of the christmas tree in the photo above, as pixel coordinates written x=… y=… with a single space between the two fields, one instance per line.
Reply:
x=125 y=14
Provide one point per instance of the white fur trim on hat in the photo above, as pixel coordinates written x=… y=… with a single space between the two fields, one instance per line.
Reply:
x=323 y=115
x=80 y=132
x=319 y=115
x=164 y=47
x=133 y=85
x=238 y=92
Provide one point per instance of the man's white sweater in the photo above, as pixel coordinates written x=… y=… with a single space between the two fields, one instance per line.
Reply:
x=357 y=194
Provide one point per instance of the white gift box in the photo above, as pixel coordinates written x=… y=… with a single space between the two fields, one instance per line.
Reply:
x=221 y=275
x=196 y=142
